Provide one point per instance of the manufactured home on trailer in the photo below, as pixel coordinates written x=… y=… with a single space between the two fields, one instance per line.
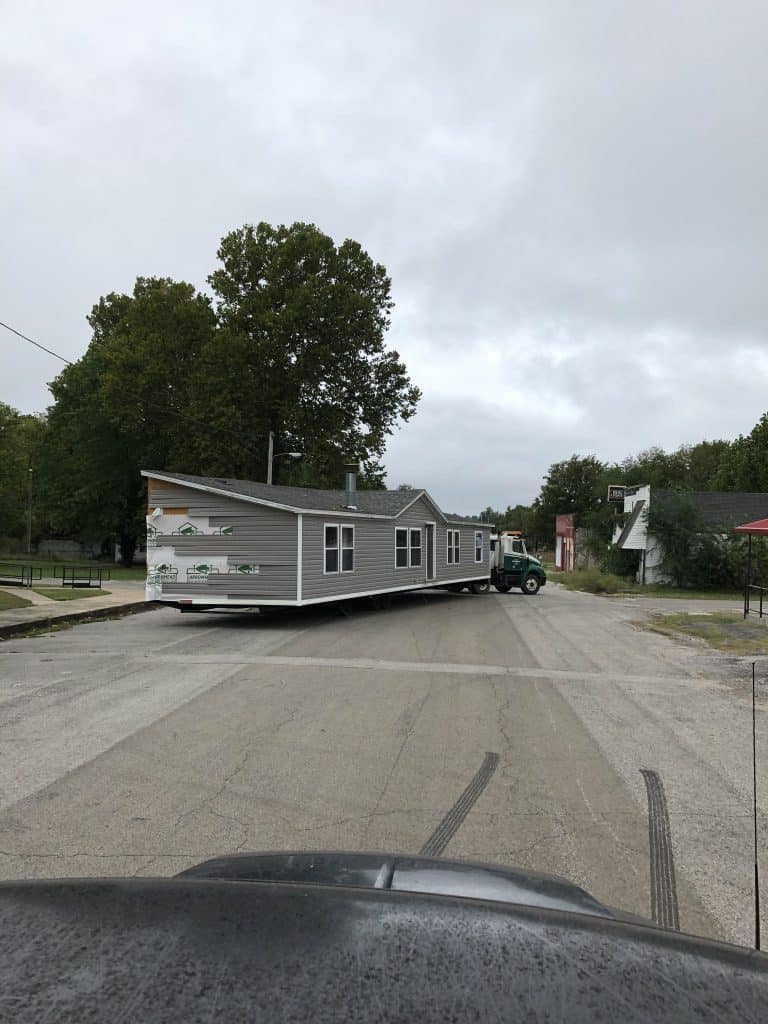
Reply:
x=213 y=542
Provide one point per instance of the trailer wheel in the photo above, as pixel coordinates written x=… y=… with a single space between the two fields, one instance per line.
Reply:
x=531 y=585
x=503 y=588
x=480 y=587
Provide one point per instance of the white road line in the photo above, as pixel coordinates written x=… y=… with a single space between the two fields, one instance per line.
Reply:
x=376 y=665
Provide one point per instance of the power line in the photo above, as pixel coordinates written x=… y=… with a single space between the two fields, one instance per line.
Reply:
x=35 y=343
x=224 y=431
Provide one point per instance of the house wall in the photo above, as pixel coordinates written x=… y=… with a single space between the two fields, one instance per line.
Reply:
x=375 y=554
x=260 y=537
x=268 y=538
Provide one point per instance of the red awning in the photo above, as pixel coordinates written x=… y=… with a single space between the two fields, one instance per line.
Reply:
x=758 y=528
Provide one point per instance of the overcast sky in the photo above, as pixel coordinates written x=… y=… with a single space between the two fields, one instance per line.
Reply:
x=571 y=199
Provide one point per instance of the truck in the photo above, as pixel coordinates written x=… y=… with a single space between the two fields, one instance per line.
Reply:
x=512 y=566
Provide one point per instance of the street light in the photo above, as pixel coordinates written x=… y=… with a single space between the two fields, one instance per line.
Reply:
x=271 y=456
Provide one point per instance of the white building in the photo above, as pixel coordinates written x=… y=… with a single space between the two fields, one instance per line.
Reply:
x=717 y=508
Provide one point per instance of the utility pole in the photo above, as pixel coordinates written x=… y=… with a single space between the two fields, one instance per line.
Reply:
x=270 y=457
x=29 y=511
x=281 y=455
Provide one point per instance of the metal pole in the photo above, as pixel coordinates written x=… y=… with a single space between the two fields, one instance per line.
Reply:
x=270 y=456
x=749 y=576
x=754 y=812
x=29 y=511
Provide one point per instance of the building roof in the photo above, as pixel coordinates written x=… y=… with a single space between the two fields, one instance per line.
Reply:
x=720 y=508
x=623 y=537
x=388 y=504
x=758 y=528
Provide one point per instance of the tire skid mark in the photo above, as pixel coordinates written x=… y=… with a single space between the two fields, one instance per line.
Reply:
x=664 y=906
x=453 y=820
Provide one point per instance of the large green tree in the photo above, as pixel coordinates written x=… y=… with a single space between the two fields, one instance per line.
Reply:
x=571 y=486
x=744 y=466
x=299 y=352
x=123 y=407
x=21 y=438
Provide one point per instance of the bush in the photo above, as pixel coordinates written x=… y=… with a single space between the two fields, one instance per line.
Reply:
x=593 y=581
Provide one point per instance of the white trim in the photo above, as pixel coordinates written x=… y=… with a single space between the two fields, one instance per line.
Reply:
x=433 y=577
x=342 y=528
x=258 y=501
x=430 y=500
x=149 y=475
x=456 y=536
x=299 y=554
x=326 y=549
x=479 y=561
x=255 y=602
x=422 y=560
x=407 y=548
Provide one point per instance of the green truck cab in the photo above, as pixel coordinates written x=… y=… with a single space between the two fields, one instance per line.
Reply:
x=512 y=566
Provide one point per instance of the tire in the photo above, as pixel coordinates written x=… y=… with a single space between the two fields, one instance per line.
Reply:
x=480 y=587
x=531 y=585
x=503 y=588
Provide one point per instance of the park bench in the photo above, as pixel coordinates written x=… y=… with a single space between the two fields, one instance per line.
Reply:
x=81 y=575
x=19 y=574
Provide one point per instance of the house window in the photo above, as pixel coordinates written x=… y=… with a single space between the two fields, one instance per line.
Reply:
x=401 y=549
x=478 y=545
x=416 y=547
x=339 y=548
x=347 y=549
x=407 y=547
x=453 y=547
x=331 y=549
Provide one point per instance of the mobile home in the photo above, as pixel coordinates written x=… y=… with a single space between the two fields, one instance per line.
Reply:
x=216 y=542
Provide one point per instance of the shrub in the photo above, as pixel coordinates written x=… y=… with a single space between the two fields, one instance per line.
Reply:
x=593 y=581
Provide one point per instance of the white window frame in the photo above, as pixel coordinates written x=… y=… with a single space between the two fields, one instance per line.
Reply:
x=403 y=529
x=452 y=546
x=339 y=548
x=479 y=547
x=411 y=531
x=342 y=549
x=331 y=547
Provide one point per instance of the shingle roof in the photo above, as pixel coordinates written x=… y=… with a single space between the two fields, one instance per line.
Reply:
x=721 y=508
x=379 y=503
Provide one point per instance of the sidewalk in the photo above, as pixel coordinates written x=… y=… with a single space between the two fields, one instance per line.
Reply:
x=124 y=596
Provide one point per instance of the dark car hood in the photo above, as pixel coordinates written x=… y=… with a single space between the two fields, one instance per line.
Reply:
x=404 y=873
x=191 y=950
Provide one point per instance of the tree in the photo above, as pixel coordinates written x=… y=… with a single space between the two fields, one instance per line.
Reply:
x=21 y=437
x=299 y=351
x=122 y=407
x=744 y=465
x=570 y=486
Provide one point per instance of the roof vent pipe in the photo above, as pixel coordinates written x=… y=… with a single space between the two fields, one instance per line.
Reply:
x=350 y=482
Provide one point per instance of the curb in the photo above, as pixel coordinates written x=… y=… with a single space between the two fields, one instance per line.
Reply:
x=46 y=621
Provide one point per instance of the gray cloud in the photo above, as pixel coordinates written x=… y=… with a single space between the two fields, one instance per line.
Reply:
x=570 y=199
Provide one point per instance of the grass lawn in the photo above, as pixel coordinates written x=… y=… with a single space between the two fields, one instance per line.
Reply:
x=725 y=631
x=592 y=581
x=8 y=601
x=117 y=572
x=68 y=593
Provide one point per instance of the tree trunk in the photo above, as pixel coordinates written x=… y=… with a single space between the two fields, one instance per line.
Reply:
x=127 y=549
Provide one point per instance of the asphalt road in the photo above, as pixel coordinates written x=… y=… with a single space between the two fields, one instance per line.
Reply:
x=546 y=732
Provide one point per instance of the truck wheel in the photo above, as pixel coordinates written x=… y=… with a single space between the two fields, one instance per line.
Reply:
x=531 y=585
x=481 y=587
x=503 y=588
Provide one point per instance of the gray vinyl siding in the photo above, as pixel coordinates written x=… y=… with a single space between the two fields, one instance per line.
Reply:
x=263 y=536
x=268 y=537
x=375 y=554
x=467 y=564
